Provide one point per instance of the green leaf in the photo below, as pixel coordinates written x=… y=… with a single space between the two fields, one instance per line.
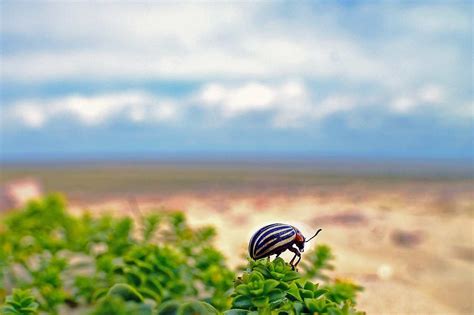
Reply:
x=317 y=293
x=27 y=300
x=277 y=275
x=20 y=302
x=8 y=309
x=242 y=301
x=99 y=293
x=298 y=307
x=126 y=292
x=276 y=295
x=269 y=285
x=312 y=305
x=264 y=271
x=147 y=293
x=29 y=309
x=284 y=286
x=134 y=277
x=242 y=289
x=291 y=276
x=236 y=312
x=196 y=308
x=306 y=294
x=294 y=292
x=168 y=308
x=310 y=286
x=154 y=284
x=256 y=292
x=260 y=301
x=15 y=304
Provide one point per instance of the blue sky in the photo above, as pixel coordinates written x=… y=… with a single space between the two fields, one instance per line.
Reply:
x=315 y=78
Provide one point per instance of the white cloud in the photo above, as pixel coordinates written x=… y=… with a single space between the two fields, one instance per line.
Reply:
x=30 y=114
x=93 y=110
x=431 y=94
x=212 y=94
x=288 y=104
x=284 y=104
x=166 y=111
x=403 y=104
x=240 y=100
x=244 y=49
x=137 y=114
x=427 y=96
x=334 y=104
x=231 y=101
x=317 y=110
x=222 y=41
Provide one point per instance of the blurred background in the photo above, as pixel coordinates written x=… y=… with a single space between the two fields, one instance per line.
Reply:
x=350 y=116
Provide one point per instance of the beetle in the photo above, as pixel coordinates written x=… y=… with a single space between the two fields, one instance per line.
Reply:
x=274 y=239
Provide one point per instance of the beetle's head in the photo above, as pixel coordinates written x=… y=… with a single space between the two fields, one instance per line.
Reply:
x=299 y=241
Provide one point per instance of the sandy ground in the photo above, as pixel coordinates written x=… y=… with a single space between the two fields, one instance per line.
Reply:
x=411 y=246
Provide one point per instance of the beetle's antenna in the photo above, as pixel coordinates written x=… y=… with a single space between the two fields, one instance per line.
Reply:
x=313 y=236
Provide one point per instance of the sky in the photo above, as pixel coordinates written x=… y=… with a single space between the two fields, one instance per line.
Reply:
x=318 y=78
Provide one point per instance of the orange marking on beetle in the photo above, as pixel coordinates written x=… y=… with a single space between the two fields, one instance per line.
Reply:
x=299 y=237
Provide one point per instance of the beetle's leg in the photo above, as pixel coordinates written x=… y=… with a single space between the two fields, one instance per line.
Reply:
x=298 y=261
x=297 y=253
x=291 y=262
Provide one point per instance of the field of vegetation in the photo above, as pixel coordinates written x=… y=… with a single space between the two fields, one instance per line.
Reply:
x=403 y=233
x=55 y=263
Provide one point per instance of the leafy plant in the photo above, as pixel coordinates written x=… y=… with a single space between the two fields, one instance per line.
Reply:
x=116 y=305
x=318 y=262
x=185 y=308
x=272 y=287
x=156 y=265
x=20 y=302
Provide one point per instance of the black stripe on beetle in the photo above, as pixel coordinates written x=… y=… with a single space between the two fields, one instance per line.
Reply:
x=274 y=239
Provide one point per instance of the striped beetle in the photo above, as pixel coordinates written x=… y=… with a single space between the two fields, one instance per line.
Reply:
x=274 y=239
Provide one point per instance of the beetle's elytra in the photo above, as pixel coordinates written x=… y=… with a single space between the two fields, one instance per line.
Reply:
x=274 y=239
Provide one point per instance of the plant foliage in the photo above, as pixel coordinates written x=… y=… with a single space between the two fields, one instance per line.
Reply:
x=272 y=287
x=52 y=262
